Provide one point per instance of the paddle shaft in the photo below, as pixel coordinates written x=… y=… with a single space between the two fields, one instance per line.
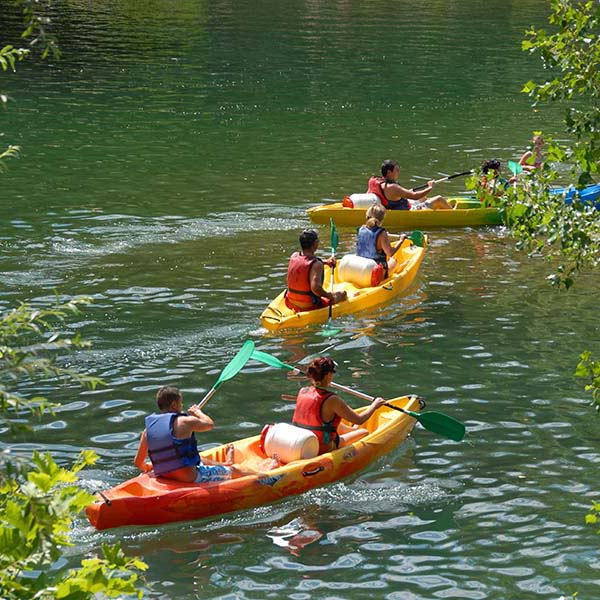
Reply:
x=208 y=396
x=343 y=388
x=422 y=187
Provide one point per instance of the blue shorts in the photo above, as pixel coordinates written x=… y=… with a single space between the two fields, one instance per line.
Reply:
x=210 y=473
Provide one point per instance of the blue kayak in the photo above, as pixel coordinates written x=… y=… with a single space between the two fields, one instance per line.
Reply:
x=588 y=195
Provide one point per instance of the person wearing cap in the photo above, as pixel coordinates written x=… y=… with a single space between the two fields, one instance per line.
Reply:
x=395 y=197
x=322 y=411
x=305 y=277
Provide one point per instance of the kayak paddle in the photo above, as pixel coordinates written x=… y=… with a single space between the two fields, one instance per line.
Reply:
x=436 y=422
x=235 y=365
x=422 y=187
x=328 y=330
x=515 y=167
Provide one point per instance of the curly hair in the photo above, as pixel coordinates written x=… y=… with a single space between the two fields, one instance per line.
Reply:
x=320 y=367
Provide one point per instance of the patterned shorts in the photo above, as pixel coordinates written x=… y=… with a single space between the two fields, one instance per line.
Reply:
x=210 y=473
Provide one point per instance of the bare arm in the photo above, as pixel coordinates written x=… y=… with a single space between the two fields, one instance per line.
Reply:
x=142 y=452
x=316 y=276
x=383 y=244
x=393 y=191
x=526 y=156
x=195 y=420
x=335 y=406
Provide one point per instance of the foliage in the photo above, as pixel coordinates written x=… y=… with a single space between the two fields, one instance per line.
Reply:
x=593 y=518
x=589 y=369
x=38 y=498
x=573 y=54
x=566 y=233
x=30 y=344
x=36 y=23
x=37 y=504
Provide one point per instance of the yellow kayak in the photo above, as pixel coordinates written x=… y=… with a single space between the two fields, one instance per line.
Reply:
x=409 y=257
x=147 y=500
x=467 y=213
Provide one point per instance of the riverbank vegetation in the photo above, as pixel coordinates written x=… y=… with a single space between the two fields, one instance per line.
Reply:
x=39 y=499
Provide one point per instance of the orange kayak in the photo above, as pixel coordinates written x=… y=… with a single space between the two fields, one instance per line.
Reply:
x=147 y=500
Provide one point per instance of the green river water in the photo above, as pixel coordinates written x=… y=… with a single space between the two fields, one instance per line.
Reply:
x=168 y=160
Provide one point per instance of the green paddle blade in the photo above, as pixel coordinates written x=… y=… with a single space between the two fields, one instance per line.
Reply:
x=440 y=423
x=334 y=236
x=236 y=364
x=328 y=330
x=417 y=238
x=515 y=167
x=270 y=360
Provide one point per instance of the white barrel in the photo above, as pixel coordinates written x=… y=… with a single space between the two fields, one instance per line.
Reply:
x=364 y=200
x=289 y=442
x=363 y=272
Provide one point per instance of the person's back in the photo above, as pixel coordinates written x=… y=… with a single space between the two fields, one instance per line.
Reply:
x=372 y=240
x=305 y=277
x=169 y=441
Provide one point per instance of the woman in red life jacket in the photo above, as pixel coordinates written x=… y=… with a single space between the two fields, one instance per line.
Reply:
x=305 y=277
x=395 y=197
x=321 y=411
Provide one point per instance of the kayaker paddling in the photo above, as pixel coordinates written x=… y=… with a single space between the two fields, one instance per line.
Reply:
x=395 y=197
x=169 y=441
x=373 y=242
x=321 y=411
x=305 y=277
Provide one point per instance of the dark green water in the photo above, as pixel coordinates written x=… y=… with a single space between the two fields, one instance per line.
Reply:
x=168 y=161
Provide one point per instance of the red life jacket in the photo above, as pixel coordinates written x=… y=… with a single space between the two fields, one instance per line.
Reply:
x=299 y=293
x=308 y=416
x=374 y=187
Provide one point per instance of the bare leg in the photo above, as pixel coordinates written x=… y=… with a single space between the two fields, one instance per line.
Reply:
x=439 y=203
x=352 y=436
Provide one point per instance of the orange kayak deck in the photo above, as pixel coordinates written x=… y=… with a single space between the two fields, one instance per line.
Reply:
x=147 y=500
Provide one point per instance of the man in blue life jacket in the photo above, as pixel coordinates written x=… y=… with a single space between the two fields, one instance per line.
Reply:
x=170 y=443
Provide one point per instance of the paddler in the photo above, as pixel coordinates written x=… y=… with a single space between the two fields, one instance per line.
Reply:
x=373 y=242
x=305 y=277
x=170 y=443
x=395 y=197
x=321 y=411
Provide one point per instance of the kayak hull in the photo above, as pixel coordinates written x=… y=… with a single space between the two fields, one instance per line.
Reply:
x=409 y=257
x=147 y=500
x=468 y=213
x=588 y=195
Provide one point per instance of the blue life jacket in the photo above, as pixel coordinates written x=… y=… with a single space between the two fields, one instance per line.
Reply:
x=166 y=452
x=366 y=244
